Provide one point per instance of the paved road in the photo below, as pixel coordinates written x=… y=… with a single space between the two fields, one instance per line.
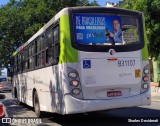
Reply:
x=95 y=118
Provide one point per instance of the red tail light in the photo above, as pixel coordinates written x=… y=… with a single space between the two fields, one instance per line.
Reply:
x=2 y=111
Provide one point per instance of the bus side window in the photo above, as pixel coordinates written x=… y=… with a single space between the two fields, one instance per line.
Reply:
x=31 y=62
x=52 y=52
x=15 y=65
x=49 y=46
x=49 y=38
x=42 y=42
x=39 y=55
x=57 y=51
x=38 y=60
x=38 y=45
x=49 y=54
x=31 y=56
x=19 y=62
x=38 y=49
x=43 y=59
x=43 y=47
x=56 y=44
x=25 y=60
x=56 y=34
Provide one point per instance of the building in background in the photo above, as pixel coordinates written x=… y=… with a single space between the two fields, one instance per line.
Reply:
x=111 y=4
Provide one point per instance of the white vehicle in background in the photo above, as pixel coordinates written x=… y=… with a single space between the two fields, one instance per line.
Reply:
x=5 y=85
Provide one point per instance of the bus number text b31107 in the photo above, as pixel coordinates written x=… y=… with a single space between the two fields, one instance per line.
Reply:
x=122 y=63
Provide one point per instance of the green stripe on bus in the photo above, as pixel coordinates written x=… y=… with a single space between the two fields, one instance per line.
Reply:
x=67 y=53
x=145 y=49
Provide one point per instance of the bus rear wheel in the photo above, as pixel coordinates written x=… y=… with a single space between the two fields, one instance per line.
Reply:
x=36 y=105
x=16 y=95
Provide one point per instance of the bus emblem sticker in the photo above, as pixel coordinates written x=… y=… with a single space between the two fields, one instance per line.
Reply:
x=86 y=64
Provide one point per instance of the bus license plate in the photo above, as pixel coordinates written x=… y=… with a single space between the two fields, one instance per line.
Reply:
x=114 y=93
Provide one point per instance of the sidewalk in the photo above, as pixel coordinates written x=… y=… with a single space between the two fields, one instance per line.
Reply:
x=153 y=84
x=155 y=93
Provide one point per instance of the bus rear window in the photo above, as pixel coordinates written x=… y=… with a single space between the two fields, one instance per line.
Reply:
x=102 y=29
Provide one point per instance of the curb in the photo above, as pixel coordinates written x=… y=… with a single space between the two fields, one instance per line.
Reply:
x=154 y=84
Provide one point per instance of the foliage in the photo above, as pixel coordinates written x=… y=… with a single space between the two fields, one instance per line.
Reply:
x=151 y=10
x=20 y=19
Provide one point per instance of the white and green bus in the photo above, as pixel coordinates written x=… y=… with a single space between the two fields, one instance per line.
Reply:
x=84 y=59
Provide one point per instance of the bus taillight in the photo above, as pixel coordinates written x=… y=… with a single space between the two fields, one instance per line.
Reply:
x=145 y=79
x=72 y=75
x=146 y=71
x=76 y=91
x=74 y=81
x=145 y=86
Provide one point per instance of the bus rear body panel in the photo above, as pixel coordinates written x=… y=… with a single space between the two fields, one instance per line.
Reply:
x=74 y=105
x=107 y=85
x=106 y=77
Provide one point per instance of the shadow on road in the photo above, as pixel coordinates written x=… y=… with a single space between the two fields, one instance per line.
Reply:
x=16 y=109
x=116 y=117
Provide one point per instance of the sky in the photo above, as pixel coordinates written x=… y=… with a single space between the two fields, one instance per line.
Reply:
x=100 y=2
x=2 y=2
x=103 y=2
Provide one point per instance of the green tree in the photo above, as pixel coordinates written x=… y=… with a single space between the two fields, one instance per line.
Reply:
x=20 y=19
x=151 y=10
x=11 y=26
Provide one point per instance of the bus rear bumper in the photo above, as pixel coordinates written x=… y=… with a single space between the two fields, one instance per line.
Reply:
x=74 y=105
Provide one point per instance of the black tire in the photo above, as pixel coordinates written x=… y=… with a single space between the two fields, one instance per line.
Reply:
x=16 y=96
x=15 y=93
x=36 y=105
